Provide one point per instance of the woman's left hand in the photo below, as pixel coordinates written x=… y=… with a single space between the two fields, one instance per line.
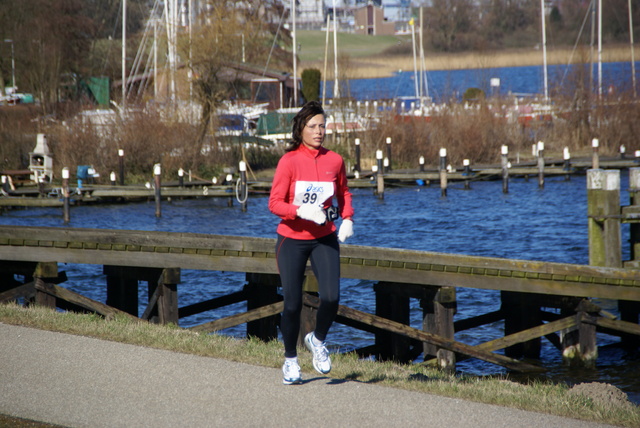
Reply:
x=346 y=230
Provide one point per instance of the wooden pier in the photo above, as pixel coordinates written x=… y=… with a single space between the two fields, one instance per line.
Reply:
x=539 y=299
x=51 y=195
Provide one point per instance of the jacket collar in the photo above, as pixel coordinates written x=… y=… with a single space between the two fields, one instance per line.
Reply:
x=310 y=152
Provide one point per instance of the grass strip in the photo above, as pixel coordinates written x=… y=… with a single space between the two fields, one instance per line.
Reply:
x=538 y=396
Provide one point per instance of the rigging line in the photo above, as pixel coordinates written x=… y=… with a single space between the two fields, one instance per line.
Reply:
x=141 y=52
x=275 y=38
x=575 y=46
x=135 y=67
x=145 y=37
x=113 y=38
x=144 y=82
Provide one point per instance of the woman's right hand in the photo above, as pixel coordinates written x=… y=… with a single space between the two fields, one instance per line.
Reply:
x=312 y=212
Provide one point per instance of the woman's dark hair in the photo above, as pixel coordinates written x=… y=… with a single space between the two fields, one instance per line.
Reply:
x=309 y=110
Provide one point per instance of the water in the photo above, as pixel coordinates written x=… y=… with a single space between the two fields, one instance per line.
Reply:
x=529 y=223
x=446 y=84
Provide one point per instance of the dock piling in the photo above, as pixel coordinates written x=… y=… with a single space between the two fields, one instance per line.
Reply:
x=541 y=164
x=443 y=172
x=603 y=211
x=242 y=192
x=121 y=165
x=157 y=170
x=380 y=174
x=466 y=173
x=181 y=178
x=567 y=163
x=388 y=169
x=65 y=195
x=505 y=168
x=595 y=162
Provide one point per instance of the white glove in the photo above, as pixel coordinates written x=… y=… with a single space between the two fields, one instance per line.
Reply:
x=312 y=212
x=346 y=230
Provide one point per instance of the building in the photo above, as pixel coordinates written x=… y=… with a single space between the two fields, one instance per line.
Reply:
x=370 y=20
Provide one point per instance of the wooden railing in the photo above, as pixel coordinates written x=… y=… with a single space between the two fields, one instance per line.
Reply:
x=158 y=257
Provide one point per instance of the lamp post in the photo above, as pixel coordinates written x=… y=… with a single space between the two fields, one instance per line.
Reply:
x=13 y=64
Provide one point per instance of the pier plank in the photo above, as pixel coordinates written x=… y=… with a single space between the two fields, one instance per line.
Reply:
x=80 y=300
x=423 y=336
x=250 y=254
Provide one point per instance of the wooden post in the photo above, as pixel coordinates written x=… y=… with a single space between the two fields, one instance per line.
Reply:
x=443 y=172
x=439 y=307
x=579 y=346
x=121 y=165
x=395 y=307
x=540 y=164
x=595 y=163
x=630 y=311
x=357 y=167
x=467 y=174
x=157 y=171
x=603 y=211
x=42 y=272
x=521 y=311
x=65 y=195
x=567 y=163
x=505 y=168
x=168 y=296
x=262 y=290
x=243 y=191
x=380 y=174
x=122 y=289
x=388 y=169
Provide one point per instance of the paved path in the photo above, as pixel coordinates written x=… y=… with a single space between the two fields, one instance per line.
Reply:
x=77 y=381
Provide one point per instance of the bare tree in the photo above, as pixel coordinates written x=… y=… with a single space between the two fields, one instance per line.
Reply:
x=451 y=24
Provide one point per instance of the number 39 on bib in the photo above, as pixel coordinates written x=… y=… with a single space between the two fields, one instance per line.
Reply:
x=312 y=192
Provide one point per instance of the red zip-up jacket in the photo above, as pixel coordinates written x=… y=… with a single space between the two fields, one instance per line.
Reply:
x=312 y=168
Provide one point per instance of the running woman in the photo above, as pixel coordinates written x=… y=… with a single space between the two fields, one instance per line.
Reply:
x=306 y=181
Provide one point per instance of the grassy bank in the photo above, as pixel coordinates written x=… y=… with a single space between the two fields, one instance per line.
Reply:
x=372 y=56
x=538 y=396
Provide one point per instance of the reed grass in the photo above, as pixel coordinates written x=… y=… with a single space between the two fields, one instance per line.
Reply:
x=381 y=65
x=539 y=396
x=373 y=56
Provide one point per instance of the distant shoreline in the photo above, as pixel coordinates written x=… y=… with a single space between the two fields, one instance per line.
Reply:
x=385 y=66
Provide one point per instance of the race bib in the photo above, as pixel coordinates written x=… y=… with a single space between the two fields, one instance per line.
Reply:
x=312 y=192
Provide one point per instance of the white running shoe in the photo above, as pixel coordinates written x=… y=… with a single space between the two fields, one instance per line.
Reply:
x=321 y=360
x=291 y=371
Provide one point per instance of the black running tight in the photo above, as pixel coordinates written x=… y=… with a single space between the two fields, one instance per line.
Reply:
x=292 y=256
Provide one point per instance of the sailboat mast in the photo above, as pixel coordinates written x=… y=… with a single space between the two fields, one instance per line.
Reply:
x=415 y=64
x=155 y=58
x=544 y=51
x=295 y=54
x=326 y=51
x=633 y=59
x=190 y=18
x=424 y=89
x=124 y=54
x=336 y=87
x=593 y=36
x=599 y=48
